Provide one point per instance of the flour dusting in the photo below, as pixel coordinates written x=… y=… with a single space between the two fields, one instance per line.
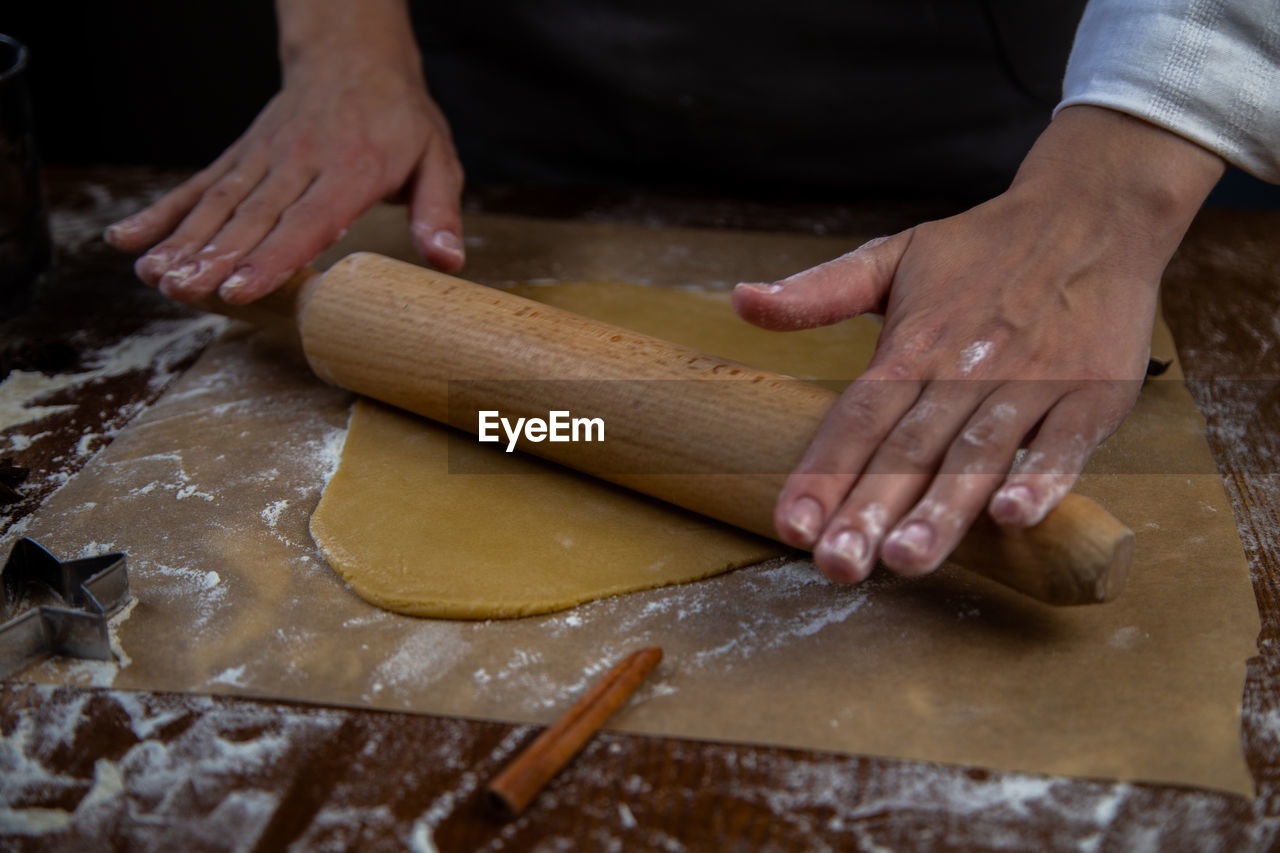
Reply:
x=161 y=346
x=444 y=805
x=428 y=652
x=76 y=227
x=271 y=514
x=811 y=605
x=192 y=774
x=35 y=406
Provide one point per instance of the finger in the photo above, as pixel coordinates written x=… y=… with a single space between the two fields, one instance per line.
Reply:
x=849 y=285
x=1071 y=431
x=252 y=220
x=902 y=467
x=435 y=210
x=307 y=227
x=210 y=213
x=848 y=435
x=155 y=222
x=975 y=464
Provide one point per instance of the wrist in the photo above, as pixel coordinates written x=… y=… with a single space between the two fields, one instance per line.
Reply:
x=1141 y=175
x=345 y=35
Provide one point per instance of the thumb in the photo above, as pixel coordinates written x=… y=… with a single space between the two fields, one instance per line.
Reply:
x=852 y=284
x=435 y=212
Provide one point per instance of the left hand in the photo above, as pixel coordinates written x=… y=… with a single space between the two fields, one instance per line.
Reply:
x=1027 y=317
x=352 y=123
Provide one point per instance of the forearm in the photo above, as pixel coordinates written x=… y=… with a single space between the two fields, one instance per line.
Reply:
x=1128 y=174
x=316 y=32
x=1208 y=71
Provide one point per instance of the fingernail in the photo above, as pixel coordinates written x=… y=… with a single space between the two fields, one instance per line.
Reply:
x=848 y=547
x=234 y=283
x=1012 y=503
x=805 y=518
x=154 y=263
x=447 y=241
x=125 y=226
x=421 y=236
x=185 y=271
x=759 y=287
x=916 y=538
x=174 y=281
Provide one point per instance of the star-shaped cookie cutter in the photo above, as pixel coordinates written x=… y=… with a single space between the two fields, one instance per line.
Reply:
x=93 y=590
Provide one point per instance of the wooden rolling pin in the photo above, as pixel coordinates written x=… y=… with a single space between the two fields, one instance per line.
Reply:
x=402 y=334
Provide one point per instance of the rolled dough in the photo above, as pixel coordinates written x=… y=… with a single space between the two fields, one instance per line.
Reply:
x=530 y=537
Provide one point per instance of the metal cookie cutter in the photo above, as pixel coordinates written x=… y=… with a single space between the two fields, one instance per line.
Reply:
x=93 y=590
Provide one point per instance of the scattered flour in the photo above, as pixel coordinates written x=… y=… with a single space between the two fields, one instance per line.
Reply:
x=522 y=683
x=201 y=590
x=326 y=452
x=271 y=515
x=422 y=833
x=113 y=629
x=184 y=786
x=420 y=840
x=311 y=464
x=26 y=397
x=1126 y=638
x=159 y=347
x=75 y=227
x=428 y=652
x=179 y=482
x=233 y=676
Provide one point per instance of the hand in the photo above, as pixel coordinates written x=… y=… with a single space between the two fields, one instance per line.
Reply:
x=352 y=124
x=1027 y=317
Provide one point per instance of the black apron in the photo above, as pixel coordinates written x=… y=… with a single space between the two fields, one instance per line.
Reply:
x=794 y=98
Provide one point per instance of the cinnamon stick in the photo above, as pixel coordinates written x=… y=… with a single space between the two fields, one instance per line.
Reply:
x=522 y=779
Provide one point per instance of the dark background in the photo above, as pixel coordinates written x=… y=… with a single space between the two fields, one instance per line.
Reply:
x=172 y=84
x=152 y=83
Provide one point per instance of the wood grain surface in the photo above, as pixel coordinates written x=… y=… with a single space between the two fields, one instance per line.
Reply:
x=202 y=773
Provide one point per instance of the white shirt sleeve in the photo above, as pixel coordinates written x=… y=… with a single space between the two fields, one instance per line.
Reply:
x=1208 y=70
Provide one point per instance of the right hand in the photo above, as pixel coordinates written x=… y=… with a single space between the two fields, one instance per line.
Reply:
x=344 y=132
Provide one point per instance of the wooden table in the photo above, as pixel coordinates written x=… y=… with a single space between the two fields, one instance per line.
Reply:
x=225 y=773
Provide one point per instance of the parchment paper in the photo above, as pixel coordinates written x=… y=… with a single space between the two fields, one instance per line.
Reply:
x=210 y=490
